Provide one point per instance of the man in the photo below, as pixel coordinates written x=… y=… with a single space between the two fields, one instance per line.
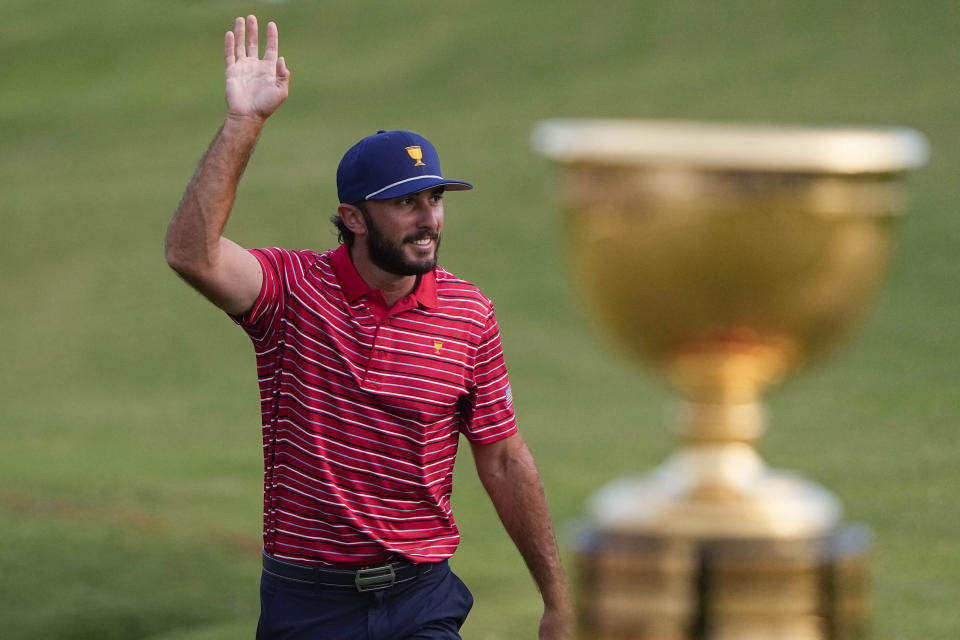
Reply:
x=371 y=362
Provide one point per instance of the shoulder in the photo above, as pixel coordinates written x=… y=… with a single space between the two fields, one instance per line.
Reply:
x=456 y=293
x=282 y=258
x=293 y=255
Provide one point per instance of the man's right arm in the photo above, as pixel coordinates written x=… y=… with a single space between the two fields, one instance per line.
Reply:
x=218 y=268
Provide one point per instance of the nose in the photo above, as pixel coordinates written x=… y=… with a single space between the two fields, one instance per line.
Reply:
x=430 y=214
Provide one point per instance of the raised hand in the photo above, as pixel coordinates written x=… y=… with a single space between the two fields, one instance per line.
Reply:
x=255 y=87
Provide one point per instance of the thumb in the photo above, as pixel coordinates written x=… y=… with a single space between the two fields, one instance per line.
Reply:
x=283 y=74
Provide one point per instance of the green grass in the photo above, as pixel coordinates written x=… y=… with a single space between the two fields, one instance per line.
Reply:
x=129 y=469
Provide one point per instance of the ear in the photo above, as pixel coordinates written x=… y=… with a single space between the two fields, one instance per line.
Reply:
x=353 y=218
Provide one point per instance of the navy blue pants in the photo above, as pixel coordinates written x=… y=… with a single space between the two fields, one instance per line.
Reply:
x=432 y=607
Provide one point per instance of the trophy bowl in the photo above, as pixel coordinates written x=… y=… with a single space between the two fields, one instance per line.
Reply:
x=726 y=257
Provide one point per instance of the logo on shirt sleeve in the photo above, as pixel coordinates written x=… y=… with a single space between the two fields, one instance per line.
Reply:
x=508 y=396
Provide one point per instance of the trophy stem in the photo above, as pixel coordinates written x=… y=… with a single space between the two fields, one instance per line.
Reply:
x=716 y=485
x=708 y=422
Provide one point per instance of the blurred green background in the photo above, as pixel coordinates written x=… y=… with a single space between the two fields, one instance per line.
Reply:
x=130 y=475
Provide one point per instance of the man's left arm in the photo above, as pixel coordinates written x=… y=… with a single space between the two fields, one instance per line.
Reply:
x=510 y=477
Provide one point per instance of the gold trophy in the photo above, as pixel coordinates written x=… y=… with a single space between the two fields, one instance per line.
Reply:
x=417 y=154
x=727 y=257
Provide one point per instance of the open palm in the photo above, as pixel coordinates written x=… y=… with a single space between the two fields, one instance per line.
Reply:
x=255 y=87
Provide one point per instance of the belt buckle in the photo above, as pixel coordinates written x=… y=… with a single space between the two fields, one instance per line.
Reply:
x=375 y=578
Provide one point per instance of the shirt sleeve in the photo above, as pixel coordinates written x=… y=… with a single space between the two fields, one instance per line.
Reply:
x=262 y=321
x=490 y=416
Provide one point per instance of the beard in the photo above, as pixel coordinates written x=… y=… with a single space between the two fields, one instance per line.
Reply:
x=390 y=256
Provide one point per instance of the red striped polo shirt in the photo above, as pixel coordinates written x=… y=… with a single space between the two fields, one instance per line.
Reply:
x=362 y=407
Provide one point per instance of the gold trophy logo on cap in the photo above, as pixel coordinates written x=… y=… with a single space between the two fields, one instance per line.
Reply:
x=416 y=153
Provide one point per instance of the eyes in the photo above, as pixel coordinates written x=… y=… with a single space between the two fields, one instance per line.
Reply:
x=411 y=200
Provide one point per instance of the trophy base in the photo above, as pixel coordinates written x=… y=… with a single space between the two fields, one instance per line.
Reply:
x=717 y=490
x=636 y=586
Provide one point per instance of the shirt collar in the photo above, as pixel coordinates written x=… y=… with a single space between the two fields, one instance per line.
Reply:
x=354 y=287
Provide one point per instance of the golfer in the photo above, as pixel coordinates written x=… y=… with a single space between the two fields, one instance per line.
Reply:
x=371 y=361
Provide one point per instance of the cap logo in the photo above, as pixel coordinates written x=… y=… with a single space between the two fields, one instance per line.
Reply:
x=417 y=154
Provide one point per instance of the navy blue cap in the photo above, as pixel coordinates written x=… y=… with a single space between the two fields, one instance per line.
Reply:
x=390 y=164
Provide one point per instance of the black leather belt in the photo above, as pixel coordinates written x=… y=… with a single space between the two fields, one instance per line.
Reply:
x=371 y=578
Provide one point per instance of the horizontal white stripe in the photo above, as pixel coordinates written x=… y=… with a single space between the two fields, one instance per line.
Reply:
x=414 y=509
x=364 y=516
x=312 y=441
x=289 y=518
x=390 y=186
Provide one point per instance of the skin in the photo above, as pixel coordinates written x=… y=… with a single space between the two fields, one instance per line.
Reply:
x=402 y=221
x=230 y=277
x=218 y=268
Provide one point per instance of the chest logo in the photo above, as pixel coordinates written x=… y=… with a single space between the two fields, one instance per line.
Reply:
x=437 y=345
x=417 y=154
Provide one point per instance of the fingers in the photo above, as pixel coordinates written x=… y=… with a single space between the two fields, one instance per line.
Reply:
x=228 y=55
x=283 y=74
x=238 y=37
x=273 y=42
x=232 y=43
x=243 y=42
x=252 y=37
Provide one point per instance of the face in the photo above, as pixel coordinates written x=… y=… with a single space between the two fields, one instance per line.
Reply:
x=403 y=234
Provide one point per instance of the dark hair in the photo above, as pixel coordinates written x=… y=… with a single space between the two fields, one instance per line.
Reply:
x=344 y=235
